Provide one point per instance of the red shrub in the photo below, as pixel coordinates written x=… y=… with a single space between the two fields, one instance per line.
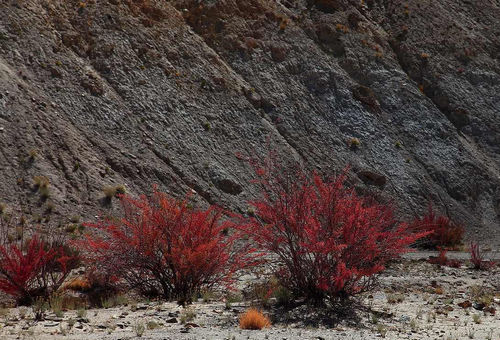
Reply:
x=443 y=260
x=328 y=241
x=477 y=258
x=443 y=231
x=163 y=247
x=454 y=263
x=33 y=270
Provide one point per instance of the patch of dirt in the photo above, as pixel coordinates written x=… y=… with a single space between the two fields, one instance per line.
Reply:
x=415 y=300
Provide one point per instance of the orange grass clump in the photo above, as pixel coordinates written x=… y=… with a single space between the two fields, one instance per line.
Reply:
x=79 y=284
x=254 y=319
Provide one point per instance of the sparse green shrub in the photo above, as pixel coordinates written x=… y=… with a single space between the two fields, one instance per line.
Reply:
x=81 y=313
x=207 y=295
x=232 y=298
x=395 y=298
x=414 y=325
x=56 y=305
x=114 y=191
x=187 y=315
x=113 y=301
x=20 y=231
x=354 y=143
x=4 y=312
x=284 y=297
x=382 y=330
x=70 y=228
x=109 y=192
x=71 y=322
x=481 y=295
x=120 y=189
x=33 y=154
x=63 y=330
x=262 y=291
x=139 y=329
x=49 y=209
x=22 y=312
x=44 y=192
x=37 y=218
x=39 y=307
x=81 y=227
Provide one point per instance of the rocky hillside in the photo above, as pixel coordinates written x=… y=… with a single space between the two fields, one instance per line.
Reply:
x=135 y=92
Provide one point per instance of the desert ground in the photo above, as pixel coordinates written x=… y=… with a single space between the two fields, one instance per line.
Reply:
x=414 y=300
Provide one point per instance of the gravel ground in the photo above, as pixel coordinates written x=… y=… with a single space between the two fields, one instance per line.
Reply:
x=415 y=300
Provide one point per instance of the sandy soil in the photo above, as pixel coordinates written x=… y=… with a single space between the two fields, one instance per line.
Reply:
x=415 y=300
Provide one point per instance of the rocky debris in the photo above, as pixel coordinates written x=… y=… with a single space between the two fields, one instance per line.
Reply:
x=372 y=178
x=421 y=313
x=366 y=96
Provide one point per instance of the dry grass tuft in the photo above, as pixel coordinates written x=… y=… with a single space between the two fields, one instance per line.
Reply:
x=254 y=319
x=114 y=191
x=79 y=284
x=41 y=182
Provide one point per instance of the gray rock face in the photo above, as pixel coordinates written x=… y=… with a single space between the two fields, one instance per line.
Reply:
x=143 y=92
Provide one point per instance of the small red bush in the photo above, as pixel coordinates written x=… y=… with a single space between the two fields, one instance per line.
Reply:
x=34 y=269
x=163 y=247
x=442 y=260
x=443 y=231
x=329 y=243
x=477 y=258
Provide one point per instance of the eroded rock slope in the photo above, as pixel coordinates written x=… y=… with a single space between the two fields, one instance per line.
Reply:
x=136 y=92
